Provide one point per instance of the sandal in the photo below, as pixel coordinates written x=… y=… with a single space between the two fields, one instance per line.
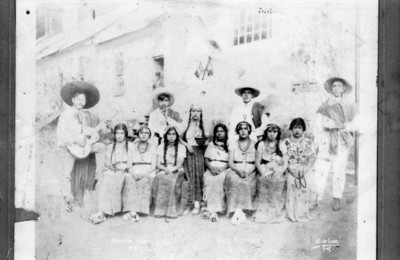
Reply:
x=206 y=215
x=97 y=218
x=131 y=217
x=68 y=205
x=196 y=211
x=214 y=217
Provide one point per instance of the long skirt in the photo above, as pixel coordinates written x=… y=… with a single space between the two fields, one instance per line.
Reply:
x=168 y=195
x=109 y=192
x=136 y=195
x=297 y=200
x=194 y=167
x=214 y=193
x=240 y=191
x=271 y=199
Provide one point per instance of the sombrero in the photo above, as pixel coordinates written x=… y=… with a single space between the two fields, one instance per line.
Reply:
x=92 y=94
x=255 y=91
x=328 y=85
x=162 y=90
x=247 y=82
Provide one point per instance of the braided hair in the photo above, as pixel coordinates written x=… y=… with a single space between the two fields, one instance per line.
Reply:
x=124 y=128
x=201 y=125
x=278 y=138
x=225 y=140
x=176 y=144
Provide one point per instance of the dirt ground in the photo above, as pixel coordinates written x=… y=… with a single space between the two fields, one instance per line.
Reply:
x=60 y=235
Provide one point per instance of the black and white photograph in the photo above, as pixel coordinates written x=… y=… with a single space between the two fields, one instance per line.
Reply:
x=196 y=129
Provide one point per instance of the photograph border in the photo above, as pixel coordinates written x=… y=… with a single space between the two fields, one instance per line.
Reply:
x=388 y=225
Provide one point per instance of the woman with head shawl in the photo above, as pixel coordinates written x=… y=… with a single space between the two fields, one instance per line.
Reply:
x=194 y=139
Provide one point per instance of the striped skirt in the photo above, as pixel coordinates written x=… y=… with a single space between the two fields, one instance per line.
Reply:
x=194 y=167
x=168 y=194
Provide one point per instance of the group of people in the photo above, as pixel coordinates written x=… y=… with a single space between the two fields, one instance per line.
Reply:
x=172 y=169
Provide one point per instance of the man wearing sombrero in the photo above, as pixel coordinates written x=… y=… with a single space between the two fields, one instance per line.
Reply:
x=163 y=116
x=335 y=121
x=71 y=130
x=249 y=111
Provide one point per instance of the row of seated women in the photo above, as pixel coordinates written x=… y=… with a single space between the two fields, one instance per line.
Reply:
x=265 y=180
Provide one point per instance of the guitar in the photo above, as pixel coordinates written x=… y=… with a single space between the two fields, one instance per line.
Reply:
x=91 y=137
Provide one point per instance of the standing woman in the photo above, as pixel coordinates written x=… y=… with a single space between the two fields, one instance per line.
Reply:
x=138 y=184
x=241 y=177
x=216 y=160
x=109 y=187
x=167 y=185
x=301 y=155
x=194 y=165
x=271 y=162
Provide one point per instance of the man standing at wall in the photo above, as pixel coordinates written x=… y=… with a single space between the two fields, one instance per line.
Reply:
x=333 y=136
x=250 y=111
x=74 y=126
x=163 y=115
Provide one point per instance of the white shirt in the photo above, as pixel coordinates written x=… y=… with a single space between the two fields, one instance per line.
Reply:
x=158 y=123
x=69 y=127
x=242 y=112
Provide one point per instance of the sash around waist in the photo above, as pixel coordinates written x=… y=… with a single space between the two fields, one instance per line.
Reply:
x=263 y=161
x=141 y=163
x=244 y=162
x=216 y=160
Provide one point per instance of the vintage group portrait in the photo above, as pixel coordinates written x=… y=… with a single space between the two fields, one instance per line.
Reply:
x=196 y=129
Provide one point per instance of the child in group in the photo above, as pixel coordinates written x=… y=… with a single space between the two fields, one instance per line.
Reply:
x=109 y=186
x=301 y=156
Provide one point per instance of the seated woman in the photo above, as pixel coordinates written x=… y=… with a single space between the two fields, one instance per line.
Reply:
x=139 y=182
x=109 y=187
x=301 y=156
x=271 y=162
x=169 y=178
x=241 y=177
x=216 y=159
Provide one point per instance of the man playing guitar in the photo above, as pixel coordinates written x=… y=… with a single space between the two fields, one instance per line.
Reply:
x=72 y=129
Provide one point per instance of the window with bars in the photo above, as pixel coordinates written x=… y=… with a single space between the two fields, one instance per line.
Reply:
x=252 y=26
x=159 y=75
x=48 y=20
x=119 y=65
x=82 y=68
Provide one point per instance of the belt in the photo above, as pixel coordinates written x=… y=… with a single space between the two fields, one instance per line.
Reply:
x=264 y=161
x=215 y=160
x=120 y=162
x=244 y=162
x=141 y=163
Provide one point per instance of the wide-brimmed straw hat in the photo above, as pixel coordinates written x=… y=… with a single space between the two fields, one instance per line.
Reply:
x=160 y=91
x=328 y=85
x=247 y=82
x=255 y=91
x=69 y=90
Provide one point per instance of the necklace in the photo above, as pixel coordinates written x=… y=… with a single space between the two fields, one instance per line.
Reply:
x=247 y=147
x=142 y=150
